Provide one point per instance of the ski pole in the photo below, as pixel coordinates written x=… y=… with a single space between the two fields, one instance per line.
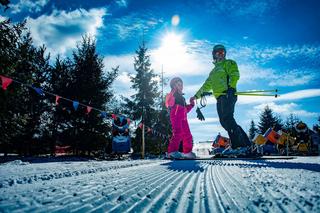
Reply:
x=248 y=94
x=258 y=91
x=255 y=94
x=252 y=94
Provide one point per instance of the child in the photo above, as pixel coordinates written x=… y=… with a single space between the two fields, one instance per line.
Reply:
x=178 y=117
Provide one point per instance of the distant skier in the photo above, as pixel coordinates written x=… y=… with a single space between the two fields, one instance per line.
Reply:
x=222 y=81
x=178 y=117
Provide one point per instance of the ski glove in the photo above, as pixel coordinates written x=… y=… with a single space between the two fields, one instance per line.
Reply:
x=192 y=101
x=231 y=92
x=199 y=114
x=206 y=94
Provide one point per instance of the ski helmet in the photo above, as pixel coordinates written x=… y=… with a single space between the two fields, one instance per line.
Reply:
x=218 y=47
x=174 y=81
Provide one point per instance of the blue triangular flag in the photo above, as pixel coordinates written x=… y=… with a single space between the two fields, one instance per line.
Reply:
x=103 y=114
x=75 y=105
x=38 y=90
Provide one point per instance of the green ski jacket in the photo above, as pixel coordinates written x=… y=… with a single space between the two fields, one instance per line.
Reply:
x=217 y=82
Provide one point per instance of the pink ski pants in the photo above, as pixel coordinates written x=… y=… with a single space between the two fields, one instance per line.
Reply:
x=180 y=129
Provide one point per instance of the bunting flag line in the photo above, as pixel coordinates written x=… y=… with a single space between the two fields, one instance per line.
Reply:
x=38 y=90
x=103 y=114
x=57 y=99
x=89 y=108
x=154 y=132
x=5 y=82
x=75 y=105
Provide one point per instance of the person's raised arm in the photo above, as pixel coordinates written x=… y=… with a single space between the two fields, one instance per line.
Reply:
x=170 y=100
x=191 y=105
x=206 y=87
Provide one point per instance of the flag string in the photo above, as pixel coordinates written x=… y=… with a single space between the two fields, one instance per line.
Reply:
x=6 y=81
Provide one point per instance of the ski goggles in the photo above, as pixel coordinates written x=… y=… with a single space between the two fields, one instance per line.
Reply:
x=218 y=53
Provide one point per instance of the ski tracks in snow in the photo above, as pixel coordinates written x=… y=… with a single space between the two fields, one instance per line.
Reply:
x=163 y=186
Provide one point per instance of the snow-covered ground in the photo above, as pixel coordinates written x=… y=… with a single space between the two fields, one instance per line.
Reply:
x=162 y=186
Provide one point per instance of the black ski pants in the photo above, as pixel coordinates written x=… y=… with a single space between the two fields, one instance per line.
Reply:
x=225 y=108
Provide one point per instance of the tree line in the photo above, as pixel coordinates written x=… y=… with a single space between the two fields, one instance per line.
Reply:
x=268 y=119
x=32 y=124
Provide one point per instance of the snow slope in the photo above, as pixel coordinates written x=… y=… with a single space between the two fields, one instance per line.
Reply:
x=162 y=186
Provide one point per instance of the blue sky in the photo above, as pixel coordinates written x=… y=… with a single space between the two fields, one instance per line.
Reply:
x=275 y=43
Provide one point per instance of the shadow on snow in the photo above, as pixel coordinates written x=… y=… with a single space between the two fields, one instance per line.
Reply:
x=184 y=165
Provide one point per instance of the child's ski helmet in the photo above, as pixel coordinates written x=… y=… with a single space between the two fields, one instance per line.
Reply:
x=174 y=81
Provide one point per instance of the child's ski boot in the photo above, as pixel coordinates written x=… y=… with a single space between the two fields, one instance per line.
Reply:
x=175 y=155
x=189 y=155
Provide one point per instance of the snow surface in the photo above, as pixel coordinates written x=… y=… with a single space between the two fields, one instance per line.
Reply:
x=162 y=186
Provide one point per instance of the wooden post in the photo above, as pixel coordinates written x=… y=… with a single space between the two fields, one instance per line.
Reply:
x=288 y=144
x=143 y=143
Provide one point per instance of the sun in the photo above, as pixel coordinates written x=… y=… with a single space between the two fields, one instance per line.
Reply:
x=172 y=41
x=172 y=50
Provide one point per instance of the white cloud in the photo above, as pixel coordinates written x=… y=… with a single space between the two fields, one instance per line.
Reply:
x=28 y=5
x=124 y=78
x=292 y=78
x=2 y=18
x=235 y=8
x=251 y=73
x=131 y=26
x=207 y=120
x=300 y=94
x=122 y=83
x=284 y=110
x=206 y=131
x=125 y=62
x=60 y=31
x=122 y=3
x=263 y=54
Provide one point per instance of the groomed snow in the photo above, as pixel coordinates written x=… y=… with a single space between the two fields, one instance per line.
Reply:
x=162 y=186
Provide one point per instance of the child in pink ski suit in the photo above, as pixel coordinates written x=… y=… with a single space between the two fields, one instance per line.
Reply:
x=178 y=117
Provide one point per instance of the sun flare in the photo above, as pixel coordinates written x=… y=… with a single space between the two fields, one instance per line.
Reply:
x=172 y=52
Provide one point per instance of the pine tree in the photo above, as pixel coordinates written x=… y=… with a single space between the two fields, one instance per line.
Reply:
x=10 y=37
x=142 y=106
x=5 y=4
x=90 y=86
x=22 y=106
x=290 y=123
x=253 y=130
x=31 y=68
x=59 y=82
x=269 y=120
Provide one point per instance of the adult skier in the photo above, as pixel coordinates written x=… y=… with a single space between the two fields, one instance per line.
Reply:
x=222 y=81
